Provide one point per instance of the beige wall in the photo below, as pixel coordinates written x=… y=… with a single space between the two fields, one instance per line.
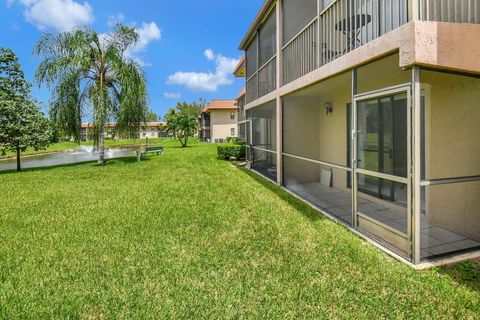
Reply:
x=311 y=133
x=452 y=139
x=382 y=74
x=452 y=114
x=221 y=124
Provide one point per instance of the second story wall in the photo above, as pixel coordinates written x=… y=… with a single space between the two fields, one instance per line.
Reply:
x=292 y=38
x=222 y=124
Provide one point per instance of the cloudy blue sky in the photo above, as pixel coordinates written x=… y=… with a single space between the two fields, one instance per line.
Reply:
x=187 y=48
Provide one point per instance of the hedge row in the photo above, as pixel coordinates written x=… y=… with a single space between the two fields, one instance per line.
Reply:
x=231 y=151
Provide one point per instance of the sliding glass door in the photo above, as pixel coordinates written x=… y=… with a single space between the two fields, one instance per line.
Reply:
x=382 y=144
x=381 y=166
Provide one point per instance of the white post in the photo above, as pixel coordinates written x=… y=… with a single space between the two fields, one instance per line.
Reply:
x=416 y=163
x=414 y=9
x=353 y=144
x=279 y=80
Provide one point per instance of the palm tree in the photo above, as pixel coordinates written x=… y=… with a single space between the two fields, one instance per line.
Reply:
x=186 y=126
x=171 y=119
x=90 y=73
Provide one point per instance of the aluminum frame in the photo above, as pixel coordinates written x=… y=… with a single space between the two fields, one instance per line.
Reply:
x=398 y=89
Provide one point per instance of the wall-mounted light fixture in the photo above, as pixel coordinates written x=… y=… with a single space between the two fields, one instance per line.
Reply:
x=328 y=108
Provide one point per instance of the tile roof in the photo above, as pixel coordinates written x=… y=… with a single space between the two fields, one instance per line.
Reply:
x=220 y=105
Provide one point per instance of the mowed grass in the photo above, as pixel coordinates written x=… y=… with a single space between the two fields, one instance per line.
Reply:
x=187 y=236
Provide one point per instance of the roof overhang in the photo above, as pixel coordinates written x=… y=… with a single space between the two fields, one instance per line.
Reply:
x=266 y=6
x=240 y=70
x=241 y=93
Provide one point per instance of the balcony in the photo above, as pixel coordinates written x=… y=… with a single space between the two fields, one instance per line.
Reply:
x=314 y=37
x=346 y=25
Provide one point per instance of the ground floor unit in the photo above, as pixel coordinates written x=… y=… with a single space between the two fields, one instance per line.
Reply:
x=393 y=153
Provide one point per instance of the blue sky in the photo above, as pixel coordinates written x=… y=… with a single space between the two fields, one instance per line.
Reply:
x=187 y=47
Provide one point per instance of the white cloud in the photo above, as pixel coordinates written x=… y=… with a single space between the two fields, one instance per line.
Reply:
x=114 y=19
x=209 y=54
x=147 y=33
x=207 y=81
x=172 y=95
x=59 y=15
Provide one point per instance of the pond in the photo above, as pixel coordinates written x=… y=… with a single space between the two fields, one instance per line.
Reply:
x=80 y=154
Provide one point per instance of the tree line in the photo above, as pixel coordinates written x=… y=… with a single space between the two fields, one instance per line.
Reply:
x=88 y=74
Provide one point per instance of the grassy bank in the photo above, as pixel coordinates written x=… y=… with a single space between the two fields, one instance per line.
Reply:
x=187 y=236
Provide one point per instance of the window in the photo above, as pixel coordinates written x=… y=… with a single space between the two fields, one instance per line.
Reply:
x=232 y=131
x=232 y=115
x=144 y=134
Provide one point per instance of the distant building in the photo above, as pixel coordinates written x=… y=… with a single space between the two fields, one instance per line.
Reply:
x=146 y=130
x=218 y=120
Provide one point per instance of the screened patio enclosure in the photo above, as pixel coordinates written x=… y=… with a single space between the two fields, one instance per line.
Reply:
x=262 y=139
x=395 y=157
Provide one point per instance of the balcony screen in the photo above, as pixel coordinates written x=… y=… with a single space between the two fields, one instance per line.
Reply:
x=268 y=37
x=251 y=55
x=296 y=15
x=264 y=126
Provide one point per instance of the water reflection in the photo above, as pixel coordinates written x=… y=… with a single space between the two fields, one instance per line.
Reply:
x=80 y=154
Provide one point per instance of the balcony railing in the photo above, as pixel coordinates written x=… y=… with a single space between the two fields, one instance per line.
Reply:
x=458 y=11
x=267 y=74
x=262 y=82
x=300 y=54
x=341 y=27
x=346 y=25
x=252 y=88
x=349 y=24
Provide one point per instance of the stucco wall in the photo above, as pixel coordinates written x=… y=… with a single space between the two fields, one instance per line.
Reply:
x=221 y=124
x=452 y=149
x=381 y=74
x=309 y=132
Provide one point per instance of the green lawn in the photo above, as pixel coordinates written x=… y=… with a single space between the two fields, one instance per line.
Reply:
x=187 y=236
x=67 y=145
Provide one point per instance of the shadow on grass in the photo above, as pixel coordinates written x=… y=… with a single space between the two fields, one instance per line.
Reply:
x=180 y=147
x=298 y=204
x=126 y=160
x=465 y=273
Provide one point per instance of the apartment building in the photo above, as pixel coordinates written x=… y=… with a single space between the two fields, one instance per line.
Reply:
x=369 y=110
x=218 y=120
x=146 y=130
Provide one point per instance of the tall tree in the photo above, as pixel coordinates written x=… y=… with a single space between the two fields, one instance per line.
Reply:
x=22 y=125
x=90 y=73
x=151 y=116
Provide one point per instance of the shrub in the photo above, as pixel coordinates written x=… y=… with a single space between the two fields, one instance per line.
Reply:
x=231 y=151
x=240 y=142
